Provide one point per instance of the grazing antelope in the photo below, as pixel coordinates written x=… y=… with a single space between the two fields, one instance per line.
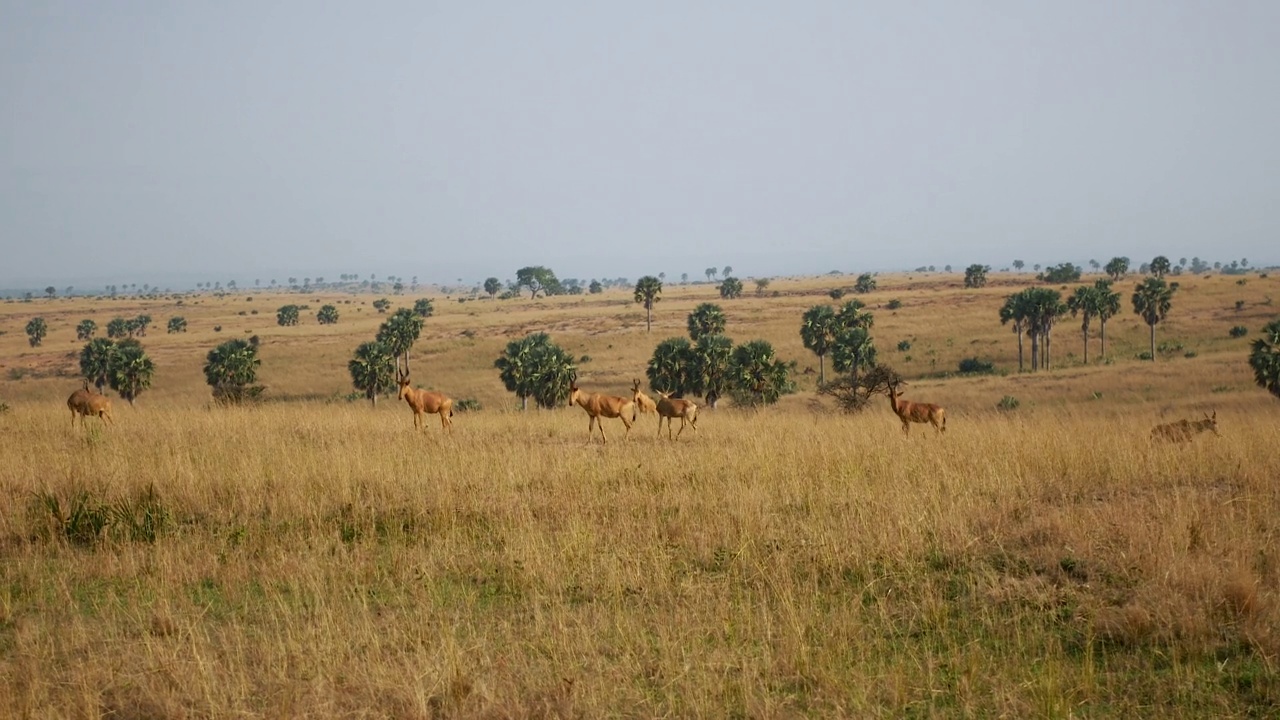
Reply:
x=425 y=402
x=910 y=412
x=670 y=408
x=85 y=402
x=1184 y=430
x=603 y=406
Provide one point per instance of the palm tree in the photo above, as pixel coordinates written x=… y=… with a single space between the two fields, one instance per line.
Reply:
x=177 y=324
x=328 y=315
x=853 y=349
x=818 y=329
x=1160 y=266
x=131 y=370
x=648 y=290
x=1265 y=358
x=1152 y=299
x=851 y=315
x=231 y=369
x=730 y=288
x=1084 y=302
x=422 y=307
x=975 y=276
x=1017 y=311
x=1044 y=307
x=706 y=319
x=372 y=370
x=492 y=286
x=400 y=332
x=1117 y=267
x=710 y=375
x=36 y=331
x=1108 y=307
x=95 y=361
x=711 y=273
x=86 y=329
x=670 y=370
x=756 y=375
x=536 y=367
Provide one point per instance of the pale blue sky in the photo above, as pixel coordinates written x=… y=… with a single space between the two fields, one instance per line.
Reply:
x=143 y=140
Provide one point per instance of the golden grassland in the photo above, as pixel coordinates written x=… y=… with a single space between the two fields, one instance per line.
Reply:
x=315 y=557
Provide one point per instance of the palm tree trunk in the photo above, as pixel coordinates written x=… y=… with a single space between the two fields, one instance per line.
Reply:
x=1153 y=342
x=648 y=318
x=1086 y=346
x=1102 y=332
x=1035 y=351
x=822 y=373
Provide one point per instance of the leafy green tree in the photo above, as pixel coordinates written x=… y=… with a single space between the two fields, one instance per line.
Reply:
x=1160 y=266
x=492 y=286
x=670 y=370
x=328 y=315
x=853 y=350
x=381 y=305
x=537 y=279
x=864 y=284
x=177 y=324
x=37 y=329
x=711 y=273
x=86 y=329
x=131 y=371
x=140 y=325
x=422 y=307
x=1117 y=267
x=648 y=292
x=231 y=369
x=975 y=276
x=534 y=367
x=728 y=270
x=710 y=375
x=757 y=376
x=400 y=332
x=1016 y=309
x=1018 y=265
x=288 y=315
x=731 y=288
x=706 y=319
x=1153 y=299
x=1108 y=307
x=1264 y=358
x=372 y=369
x=818 y=328
x=595 y=288
x=853 y=314
x=762 y=284
x=1064 y=273
x=96 y=359
x=51 y=291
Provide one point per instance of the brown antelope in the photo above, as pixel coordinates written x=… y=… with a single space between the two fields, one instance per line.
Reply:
x=603 y=406
x=644 y=403
x=669 y=408
x=425 y=402
x=910 y=412
x=1184 y=430
x=85 y=402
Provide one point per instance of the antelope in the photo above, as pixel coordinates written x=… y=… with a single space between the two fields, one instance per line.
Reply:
x=603 y=406
x=644 y=403
x=670 y=408
x=1185 y=430
x=425 y=402
x=85 y=402
x=910 y=412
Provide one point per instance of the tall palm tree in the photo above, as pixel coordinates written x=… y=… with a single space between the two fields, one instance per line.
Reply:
x=1015 y=310
x=710 y=376
x=1044 y=307
x=131 y=370
x=852 y=315
x=536 y=367
x=670 y=370
x=851 y=350
x=231 y=369
x=818 y=330
x=400 y=332
x=756 y=375
x=648 y=291
x=371 y=369
x=1265 y=358
x=706 y=319
x=1108 y=307
x=1084 y=302
x=1152 y=299
x=95 y=361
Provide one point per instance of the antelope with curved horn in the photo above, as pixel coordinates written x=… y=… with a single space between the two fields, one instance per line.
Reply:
x=600 y=407
x=85 y=402
x=425 y=402
x=916 y=412
x=670 y=408
x=644 y=403
x=1185 y=430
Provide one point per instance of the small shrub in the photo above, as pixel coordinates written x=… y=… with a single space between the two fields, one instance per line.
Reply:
x=1241 y=281
x=1189 y=354
x=974 y=366
x=1239 y=305
x=217 y=328
x=242 y=312
x=904 y=345
x=584 y=359
x=836 y=294
x=1144 y=355
x=1169 y=347
x=467 y=405
x=1238 y=331
x=1008 y=402
x=894 y=304
x=4 y=408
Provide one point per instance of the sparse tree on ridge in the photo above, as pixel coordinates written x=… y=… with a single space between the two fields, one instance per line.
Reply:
x=1152 y=300
x=648 y=292
x=1108 y=307
x=1160 y=266
x=1117 y=268
x=711 y=273
x=866 y=283
x=1085 y=302
x=1016 y=310
x=975 y=276
x=492 y=286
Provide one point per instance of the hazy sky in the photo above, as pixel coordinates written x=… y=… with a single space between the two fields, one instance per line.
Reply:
x=241 y=140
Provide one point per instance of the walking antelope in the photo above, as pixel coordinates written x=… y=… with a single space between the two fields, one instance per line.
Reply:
x=1184 y=430
x=916 y=412
x=644 y=403
x=669 y=408
x=603 y=406
x=85 y=402
x=425 y=402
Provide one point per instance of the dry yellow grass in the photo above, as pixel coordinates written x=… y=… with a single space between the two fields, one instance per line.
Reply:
x=318 y=558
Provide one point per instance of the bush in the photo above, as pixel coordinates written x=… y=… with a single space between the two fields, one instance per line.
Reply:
x=974 y=366
x=836 y=294
x=894 y=304
x=1238 y=331
x=467 y=405
x=1144 y=355
x=1008 y=402
x=1239 y=305
x=904 y=345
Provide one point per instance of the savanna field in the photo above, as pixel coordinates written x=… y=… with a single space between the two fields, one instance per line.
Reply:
x=313 y=556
